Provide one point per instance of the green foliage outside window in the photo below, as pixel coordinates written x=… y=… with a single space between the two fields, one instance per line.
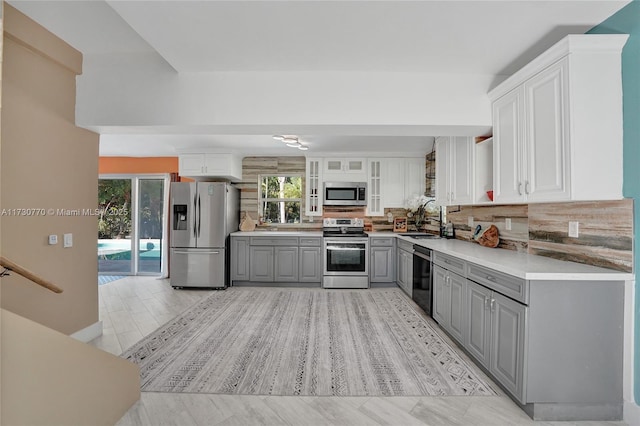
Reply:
x=281 y=198
x=114 y=194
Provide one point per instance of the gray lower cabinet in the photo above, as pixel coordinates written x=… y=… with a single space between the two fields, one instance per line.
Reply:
x=286 y=264
x=276 y=259
x=404 y=267
x=448 y=303
x=239 y=259
x=477 y=332
x=382 y=259
x=494 y=334
x=310 y=269
x=261 y=267
x=553 y=345
x=507 y=343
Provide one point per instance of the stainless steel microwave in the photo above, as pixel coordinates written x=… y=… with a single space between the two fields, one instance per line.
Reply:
x=345 y=193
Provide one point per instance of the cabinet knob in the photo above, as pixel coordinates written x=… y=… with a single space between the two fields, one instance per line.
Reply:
x=486 y=303
x=519 y=188
x=491 y=278
x=493 y=304
x=526 y=187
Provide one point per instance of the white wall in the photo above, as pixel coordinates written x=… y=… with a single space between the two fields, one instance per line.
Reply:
x=143 y=90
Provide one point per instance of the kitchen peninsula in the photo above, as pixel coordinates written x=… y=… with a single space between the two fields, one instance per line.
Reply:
x=515 y=314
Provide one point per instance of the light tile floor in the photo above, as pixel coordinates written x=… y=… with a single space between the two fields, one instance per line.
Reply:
x=133 y=307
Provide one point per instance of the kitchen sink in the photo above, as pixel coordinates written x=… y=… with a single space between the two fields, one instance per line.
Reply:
x=420 y=235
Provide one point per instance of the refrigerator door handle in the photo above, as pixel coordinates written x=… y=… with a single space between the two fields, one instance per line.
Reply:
x=199 y=215
x=195 y=217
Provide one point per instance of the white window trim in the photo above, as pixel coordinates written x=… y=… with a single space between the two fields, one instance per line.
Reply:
x=262 y=200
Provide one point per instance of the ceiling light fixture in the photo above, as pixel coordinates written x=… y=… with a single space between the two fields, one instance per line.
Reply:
x=291 y=141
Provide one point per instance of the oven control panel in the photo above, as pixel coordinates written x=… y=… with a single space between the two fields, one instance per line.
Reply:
x=336 y=222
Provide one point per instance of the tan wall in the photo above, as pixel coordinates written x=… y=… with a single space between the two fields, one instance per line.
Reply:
x=51 y=379
x=1 y=56
x=47 y=163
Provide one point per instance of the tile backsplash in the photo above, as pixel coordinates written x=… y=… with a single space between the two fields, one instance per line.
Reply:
x=606 y=227
x=605 y=230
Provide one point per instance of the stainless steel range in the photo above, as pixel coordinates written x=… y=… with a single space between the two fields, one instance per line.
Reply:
x=346 y=253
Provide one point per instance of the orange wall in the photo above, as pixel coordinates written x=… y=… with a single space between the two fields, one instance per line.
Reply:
x=131 y=165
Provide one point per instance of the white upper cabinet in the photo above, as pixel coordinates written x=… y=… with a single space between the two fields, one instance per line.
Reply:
x=313 y=187
x=414 y=177
x=531 y=154
x=345 y=169
x=390 y=181
x=219 y=165
x=374 y=188
x=455 y=166
x=557 y=124
x=393 y=182
x=402 y=178
x=546 y=139
x=507 y=147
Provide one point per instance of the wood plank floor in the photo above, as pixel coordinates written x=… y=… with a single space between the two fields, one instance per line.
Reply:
x=133 y=307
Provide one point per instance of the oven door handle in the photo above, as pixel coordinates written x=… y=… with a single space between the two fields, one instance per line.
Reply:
x=346 y=241
x=346 y=248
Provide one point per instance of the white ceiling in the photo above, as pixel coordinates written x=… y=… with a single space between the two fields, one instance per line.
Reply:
x=474 y=37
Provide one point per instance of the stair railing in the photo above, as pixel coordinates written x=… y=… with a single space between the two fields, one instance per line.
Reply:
x=14 y=267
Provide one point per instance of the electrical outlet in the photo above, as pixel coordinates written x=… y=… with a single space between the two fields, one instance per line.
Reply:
x=470 y=221
x=53 y=239
x=573 y=229
x=67 y=240
x=507 y=224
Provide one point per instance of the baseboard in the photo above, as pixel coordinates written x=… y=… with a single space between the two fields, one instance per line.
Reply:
x=631 y=412
x=554 y=412
x=89 y=333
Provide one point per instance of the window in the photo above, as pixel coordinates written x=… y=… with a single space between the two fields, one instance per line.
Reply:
x=280 y=198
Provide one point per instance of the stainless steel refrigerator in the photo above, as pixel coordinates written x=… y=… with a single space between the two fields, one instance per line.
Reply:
x=203 y=214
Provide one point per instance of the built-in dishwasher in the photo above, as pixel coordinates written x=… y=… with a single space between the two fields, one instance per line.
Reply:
x=423 y=278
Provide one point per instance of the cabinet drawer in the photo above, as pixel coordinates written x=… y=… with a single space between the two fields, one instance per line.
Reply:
x=310 y=242
x=274 y=241
x=513 y=287
x=381 y=241
x=405 y=245
x=450 y=263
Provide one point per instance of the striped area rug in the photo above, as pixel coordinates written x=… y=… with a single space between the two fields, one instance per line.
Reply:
x=277 y=341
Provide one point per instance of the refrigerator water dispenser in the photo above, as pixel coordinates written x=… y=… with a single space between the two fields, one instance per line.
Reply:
x=180 y=217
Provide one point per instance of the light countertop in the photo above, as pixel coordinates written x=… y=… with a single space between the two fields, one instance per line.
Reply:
x=277 y=234
x=522 y=265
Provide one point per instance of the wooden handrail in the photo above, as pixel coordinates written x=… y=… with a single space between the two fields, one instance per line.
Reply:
x=12 y=266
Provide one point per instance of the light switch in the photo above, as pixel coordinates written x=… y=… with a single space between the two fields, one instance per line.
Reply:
x=53 y=239
x=573 y=229
x=68 y=241
x=507 y=224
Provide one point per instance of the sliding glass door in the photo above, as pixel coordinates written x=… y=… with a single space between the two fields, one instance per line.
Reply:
x=114 y=226
x=150 y=225
x=132 y=225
